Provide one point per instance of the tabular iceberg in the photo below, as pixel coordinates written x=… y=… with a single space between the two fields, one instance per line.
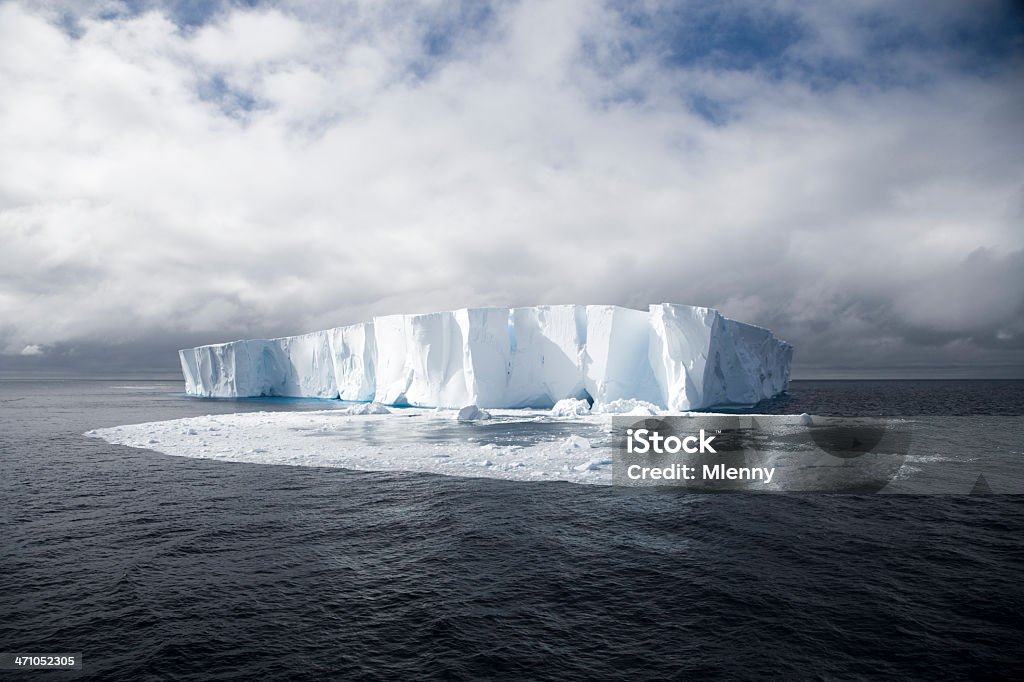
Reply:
x=676 y=357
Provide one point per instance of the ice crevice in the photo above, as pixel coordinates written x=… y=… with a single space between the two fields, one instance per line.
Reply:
x=672 y=356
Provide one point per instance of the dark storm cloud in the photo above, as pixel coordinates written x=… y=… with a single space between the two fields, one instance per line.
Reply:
x=849 y=175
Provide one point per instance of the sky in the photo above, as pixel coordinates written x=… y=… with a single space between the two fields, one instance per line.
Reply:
x=847 y=174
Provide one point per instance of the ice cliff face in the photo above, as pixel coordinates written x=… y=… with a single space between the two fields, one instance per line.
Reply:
x=676 y=356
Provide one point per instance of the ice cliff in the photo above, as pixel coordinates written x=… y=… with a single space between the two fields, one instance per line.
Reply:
x=677 y=357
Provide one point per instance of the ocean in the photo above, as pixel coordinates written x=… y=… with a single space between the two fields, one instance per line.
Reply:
x=160 y=567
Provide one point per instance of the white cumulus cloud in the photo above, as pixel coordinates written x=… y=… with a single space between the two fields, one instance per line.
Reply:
x=275 y=170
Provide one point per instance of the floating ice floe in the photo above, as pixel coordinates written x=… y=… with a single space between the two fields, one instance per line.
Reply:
x=533 y=445
x=416 y=440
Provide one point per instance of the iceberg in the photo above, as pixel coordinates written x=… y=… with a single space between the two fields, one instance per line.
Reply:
x=353 y=350
x=702 y=359
x=295 y=366
x=675 y=357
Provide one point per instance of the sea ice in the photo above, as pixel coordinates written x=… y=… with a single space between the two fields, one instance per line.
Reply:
x=417 y=440
x=521 y=445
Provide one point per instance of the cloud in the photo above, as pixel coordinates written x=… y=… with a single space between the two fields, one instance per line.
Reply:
x=32 y=349
x=852 y=179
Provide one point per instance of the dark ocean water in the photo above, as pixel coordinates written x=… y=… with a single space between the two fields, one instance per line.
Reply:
x=159 y=567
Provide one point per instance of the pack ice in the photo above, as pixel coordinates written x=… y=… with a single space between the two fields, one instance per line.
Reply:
x=676 y=357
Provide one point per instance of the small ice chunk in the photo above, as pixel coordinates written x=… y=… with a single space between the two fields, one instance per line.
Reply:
x=806 y=419
x=366 y=408
x=575 y=442
x=629 y=406
x=592 y=465
x=472 y=413
x=570 y=407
